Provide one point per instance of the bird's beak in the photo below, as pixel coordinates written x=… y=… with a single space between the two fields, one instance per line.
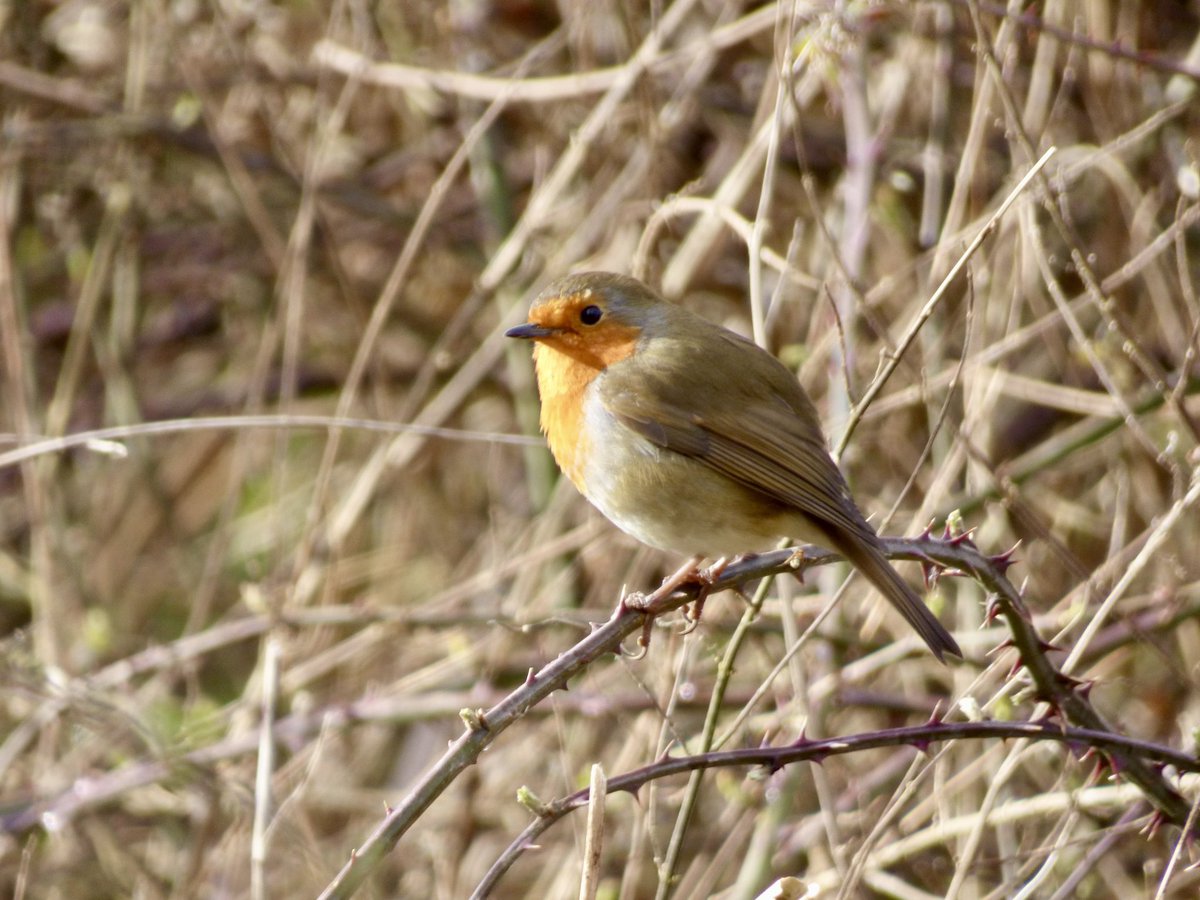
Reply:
x=530 y=332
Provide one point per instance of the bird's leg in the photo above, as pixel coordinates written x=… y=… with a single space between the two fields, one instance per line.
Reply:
x=706 y=579
x=691 y=573
x=637 y=602
x=688 y=573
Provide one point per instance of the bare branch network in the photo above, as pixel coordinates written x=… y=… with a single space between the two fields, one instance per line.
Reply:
x=281 y=545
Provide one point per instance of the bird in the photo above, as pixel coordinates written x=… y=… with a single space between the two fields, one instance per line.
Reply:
x=691 y=438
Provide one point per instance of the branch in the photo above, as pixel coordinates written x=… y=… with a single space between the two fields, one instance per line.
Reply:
x=1066 y=696
x=803 y=750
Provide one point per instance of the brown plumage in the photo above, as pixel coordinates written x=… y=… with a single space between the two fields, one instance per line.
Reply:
x=691 y=438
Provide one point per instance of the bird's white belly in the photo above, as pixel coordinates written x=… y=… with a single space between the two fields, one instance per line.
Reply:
x=672 y=501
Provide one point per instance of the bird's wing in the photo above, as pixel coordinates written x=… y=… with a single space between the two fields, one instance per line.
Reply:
x=756 y=426
x=763 y=440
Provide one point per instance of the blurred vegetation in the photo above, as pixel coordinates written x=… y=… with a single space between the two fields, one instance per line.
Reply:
x=241 y=208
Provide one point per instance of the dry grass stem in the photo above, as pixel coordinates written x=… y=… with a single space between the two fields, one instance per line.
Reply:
x=290 y=590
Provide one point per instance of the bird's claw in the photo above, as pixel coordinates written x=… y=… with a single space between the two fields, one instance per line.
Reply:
x=643 y=645
x=638 y=602
x=692 y=619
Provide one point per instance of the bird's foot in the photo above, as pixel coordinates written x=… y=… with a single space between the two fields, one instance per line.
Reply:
x=689 y=574
x=705 y=578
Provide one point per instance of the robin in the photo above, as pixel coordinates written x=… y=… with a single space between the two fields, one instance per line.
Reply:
x=691 y=438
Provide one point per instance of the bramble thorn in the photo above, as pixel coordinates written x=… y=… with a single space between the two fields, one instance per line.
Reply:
x=992 y=612
x=1154 y=822
x=1003 y=645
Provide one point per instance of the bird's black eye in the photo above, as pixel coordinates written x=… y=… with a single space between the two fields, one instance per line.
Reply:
x=590 y=315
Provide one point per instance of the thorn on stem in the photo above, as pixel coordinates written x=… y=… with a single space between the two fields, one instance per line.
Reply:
x=1003 y=645
x=1002 y=561
x=1155 y=821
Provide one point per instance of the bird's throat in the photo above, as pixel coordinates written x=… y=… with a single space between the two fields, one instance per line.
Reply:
x=563 y=382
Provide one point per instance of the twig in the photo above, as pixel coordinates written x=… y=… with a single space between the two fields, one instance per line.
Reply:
x=931 y=304
x=1067 y=890
x=105 y=440
x=90 y=791
x=1098 y=617
x=1027 y=334
x=803 y=750
x=1176 y=851
x=1130 y=344
x=1108 y=48
x=551 y=88
x=265 y=769
x=541 y=206
x=708 y=732
x=1066 y=696
x=734 y=220
x=594 y=842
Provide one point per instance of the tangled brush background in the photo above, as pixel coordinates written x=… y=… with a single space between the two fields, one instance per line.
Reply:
x=220 y=220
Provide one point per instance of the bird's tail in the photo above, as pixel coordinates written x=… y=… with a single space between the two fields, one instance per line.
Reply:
x=866 y=556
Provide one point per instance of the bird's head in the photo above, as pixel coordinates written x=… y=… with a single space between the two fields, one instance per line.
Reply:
x=597 y=318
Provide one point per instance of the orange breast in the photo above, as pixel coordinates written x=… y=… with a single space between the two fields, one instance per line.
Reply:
x=562 y=381
x=567 y=365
